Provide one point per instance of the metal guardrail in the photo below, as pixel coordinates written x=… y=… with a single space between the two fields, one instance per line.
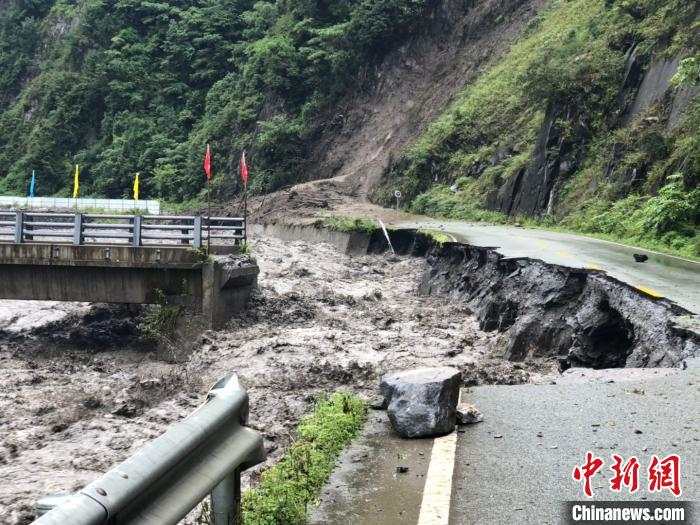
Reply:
x=170 y=476
x=57 y=203
x=22 y=227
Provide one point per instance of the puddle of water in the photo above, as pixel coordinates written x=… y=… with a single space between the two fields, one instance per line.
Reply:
x=366 y=488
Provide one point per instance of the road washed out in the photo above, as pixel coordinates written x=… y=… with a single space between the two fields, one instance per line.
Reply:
x=80 y=391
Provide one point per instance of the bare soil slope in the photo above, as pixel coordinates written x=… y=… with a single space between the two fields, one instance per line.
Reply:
x=414 y=85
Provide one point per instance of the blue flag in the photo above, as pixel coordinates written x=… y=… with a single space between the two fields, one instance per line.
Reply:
x=32 y=184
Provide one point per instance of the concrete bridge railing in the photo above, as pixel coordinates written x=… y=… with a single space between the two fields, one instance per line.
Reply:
x=166 y=479
x=20 y=227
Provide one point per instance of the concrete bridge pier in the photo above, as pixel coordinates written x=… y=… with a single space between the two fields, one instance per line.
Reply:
x=226 y=288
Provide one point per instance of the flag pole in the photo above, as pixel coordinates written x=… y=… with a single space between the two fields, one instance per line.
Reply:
x=209 y=216
x=245 y=214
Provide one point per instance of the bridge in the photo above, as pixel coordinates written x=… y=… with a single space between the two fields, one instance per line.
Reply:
x=127 y=259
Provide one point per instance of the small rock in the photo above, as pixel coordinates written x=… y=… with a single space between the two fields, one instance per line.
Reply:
x=92 y=403
x=378 y=403
x=468 y=414
x=640 y=257
x=638 y=432
x=128 y=409
x=59 y=427
x=498 y=436
x=401 y=469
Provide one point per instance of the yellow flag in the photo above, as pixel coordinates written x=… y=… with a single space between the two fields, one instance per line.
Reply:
x=76 y=182
x=136 y=187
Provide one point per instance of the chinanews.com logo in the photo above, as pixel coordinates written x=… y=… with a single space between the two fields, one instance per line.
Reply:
x=656 y=477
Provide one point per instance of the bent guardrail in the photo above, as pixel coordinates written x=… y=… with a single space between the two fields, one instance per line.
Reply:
x=166 y=479
x=21 y=227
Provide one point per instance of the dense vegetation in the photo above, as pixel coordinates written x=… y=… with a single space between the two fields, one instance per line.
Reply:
x=574 y=56
x=296 y=480
x=121 y=86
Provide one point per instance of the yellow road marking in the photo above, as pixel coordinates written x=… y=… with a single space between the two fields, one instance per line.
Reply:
x=649 y=291
x=437 y=492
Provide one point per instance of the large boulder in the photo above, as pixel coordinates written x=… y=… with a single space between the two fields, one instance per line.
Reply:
x=422 y=402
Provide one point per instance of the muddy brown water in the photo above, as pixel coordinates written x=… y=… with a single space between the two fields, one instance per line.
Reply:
x=321 y=321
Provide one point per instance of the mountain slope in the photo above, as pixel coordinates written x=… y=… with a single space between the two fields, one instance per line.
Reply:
x=580 y=114
x=121 y=86
x=580 y=124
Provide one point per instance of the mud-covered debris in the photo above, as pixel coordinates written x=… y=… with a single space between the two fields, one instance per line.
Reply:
x=129 y=409
x=315 y=334
x=91 y=402
x=377 y=403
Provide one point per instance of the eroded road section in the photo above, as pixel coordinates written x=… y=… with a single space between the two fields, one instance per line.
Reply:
x=79 y=392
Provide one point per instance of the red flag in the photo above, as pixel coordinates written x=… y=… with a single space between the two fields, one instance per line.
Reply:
x=207 y=163
x=243 y=168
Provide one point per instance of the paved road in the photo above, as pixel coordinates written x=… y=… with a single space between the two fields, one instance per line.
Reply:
x=515 y=466
x=661 y=276
x=366 y=488
x=522 y=477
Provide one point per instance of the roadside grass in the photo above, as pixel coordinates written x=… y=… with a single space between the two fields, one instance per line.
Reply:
x=348 y=224
x=436 y=235
x=287 y=488
x=629 y=221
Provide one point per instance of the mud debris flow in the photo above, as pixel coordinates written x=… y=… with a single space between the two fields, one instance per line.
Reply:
x=70 y=407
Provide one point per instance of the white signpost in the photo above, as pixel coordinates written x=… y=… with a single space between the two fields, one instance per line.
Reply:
x=397 y=194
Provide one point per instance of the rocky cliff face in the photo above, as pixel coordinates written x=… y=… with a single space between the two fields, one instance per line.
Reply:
x=565 y=133
x=578 y=122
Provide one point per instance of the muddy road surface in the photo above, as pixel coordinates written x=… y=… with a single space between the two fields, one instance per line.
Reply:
x=79 y=391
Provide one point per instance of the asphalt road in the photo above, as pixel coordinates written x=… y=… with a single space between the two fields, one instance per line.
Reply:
x=365 y=488
x=516 y=466
x=660 y=276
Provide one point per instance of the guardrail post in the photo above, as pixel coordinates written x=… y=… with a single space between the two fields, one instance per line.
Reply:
x=137 y=230
x=19 y=227
x=78 y=229
x=226 y=500
x=197 y=232
x=27 y=227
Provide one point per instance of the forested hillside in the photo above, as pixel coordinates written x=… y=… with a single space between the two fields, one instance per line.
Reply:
x=120 y=86
x=590 y=122
x=581 y=114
